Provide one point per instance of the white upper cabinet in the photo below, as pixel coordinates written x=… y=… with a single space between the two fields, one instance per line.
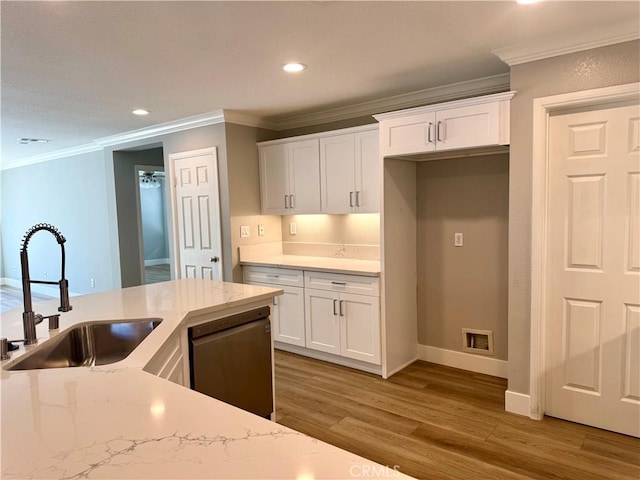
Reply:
x=475 y=122
x=349 y=173
x=290 y=178
x=331 y=172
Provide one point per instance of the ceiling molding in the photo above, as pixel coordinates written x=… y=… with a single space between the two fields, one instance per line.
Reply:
x=471 y=88
x=569 y=43
x=203 y=120
x=454 y=91
x=45 y=157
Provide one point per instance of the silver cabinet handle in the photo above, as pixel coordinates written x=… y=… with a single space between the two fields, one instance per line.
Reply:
x=341 y=304
x=357 y=198
x=334 y=306
x=275 y=300
x=338 y=283
x=286 y=203
x=291 y=202
x=429 y=139
x=351 y=199
x=438 y=132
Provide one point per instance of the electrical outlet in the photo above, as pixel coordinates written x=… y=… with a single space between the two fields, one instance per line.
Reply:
x=93 y=283
x=261 y=230
x=458 y=239
x=44 y=273
x=292 y=228
x=245 y=231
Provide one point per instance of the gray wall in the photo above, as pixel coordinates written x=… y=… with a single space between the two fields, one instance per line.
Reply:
x=462 y=287
x=601 y=67
x=126 y=178
x=71 y=194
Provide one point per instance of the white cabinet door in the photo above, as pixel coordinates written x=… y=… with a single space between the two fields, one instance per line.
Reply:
x=360 y=327
x=322 y=328
x=337 y=174
x=304 y=177
x=274 y=179
x=367 y=172
x=409 y=134
x=465 y=127
x=287 y=316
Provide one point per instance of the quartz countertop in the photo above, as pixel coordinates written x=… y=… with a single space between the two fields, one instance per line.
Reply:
x=322 y=264
x=118 y=421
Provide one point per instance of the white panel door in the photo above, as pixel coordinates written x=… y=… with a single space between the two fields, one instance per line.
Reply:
x=288 y=316
x=197 y=207
x=322 y=327
x=304 y=177
x=593 y=282
x=360 y=327
x=274 y=179
x=337 y=174
x=367 y=166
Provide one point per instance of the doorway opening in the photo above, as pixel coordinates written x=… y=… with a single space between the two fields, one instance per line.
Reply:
x=154 y=233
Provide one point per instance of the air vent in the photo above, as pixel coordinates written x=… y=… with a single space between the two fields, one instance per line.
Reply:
x=477 y=341
x=27 y=141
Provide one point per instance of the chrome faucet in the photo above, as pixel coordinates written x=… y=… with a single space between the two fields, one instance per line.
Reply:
x=29 y=318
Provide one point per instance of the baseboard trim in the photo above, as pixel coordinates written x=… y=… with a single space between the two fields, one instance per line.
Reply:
x=465 y=361
x=156 y=261
x=327 y=357
x=518 y=403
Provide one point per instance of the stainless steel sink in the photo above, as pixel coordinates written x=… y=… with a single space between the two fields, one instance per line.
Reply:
x=90 y=344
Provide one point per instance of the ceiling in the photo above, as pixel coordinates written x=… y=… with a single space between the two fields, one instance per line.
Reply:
x=72 y=72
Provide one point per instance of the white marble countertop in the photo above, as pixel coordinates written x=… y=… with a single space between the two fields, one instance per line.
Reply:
x=322 y=264
x=117 y=421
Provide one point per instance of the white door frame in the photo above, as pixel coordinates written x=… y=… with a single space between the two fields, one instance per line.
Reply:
x=542 y=108
x=174 y=207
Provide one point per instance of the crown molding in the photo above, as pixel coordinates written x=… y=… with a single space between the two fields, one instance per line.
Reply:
x=569 y=43
x=454 y=91
x=471 y=88
x=45 y=157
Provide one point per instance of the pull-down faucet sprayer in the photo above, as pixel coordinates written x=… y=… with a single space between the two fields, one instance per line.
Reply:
x=29 y=318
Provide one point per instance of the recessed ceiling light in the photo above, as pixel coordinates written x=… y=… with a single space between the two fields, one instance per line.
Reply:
x=140 y=111
x=294 y=67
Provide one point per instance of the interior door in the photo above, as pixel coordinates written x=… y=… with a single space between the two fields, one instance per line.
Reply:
x=593 y=273
x=197 y=206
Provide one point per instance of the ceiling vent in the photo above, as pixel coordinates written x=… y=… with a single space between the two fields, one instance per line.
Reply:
x=27 y=141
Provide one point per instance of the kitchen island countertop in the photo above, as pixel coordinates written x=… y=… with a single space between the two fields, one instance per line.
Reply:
x=118 y=421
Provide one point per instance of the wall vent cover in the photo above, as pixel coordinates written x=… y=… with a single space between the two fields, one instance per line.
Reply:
x=477 y=341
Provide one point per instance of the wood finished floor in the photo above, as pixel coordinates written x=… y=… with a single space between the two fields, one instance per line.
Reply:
x=157 y=273
x=11 y=297
x=438 y=422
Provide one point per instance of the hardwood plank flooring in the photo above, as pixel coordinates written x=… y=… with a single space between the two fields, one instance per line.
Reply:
x=437 y=422
x=11 y=297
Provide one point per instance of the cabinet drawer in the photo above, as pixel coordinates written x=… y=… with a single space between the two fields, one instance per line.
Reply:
x=273 y=276
x=337 y=282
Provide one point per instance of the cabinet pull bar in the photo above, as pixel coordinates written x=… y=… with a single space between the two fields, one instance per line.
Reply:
x=357 y=198
x=429 y=139
x=286 y=203
x=334 y=306
x=439 y=138
x=351 y=199
x=339 y=283
x=341 y=311
x=275 y=300
x=291 y=203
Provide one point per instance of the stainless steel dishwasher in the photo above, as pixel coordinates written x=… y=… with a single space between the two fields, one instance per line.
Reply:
x=230 y=360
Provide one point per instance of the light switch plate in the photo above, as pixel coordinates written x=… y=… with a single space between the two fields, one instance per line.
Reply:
x=458 y=239
x=292 y=228
x=245 y=231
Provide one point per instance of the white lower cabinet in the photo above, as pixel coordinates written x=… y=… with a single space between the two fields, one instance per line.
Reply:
x=287 y=315
x=343 y=324
x=333 y=313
